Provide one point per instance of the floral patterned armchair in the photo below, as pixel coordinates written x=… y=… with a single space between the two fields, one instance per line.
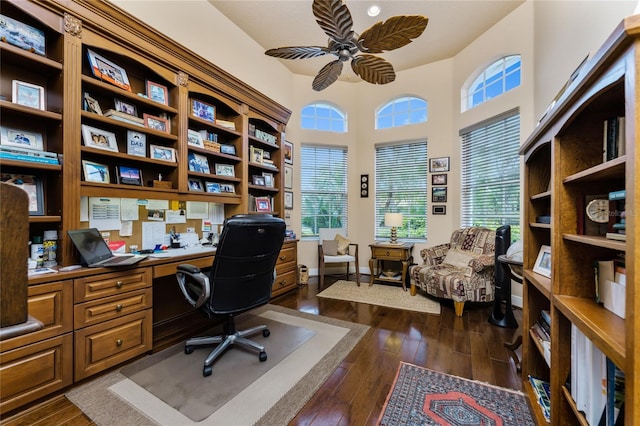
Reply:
x=462 y=270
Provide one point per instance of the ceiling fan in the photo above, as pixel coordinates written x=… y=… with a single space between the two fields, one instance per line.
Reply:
x=335 y=20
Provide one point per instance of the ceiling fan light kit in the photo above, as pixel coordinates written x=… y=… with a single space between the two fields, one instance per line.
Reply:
x=335 y=20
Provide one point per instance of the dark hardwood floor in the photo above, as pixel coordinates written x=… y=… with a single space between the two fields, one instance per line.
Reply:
x=355 y=394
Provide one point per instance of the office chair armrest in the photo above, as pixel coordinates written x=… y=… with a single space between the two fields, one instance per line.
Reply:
x=194 y=284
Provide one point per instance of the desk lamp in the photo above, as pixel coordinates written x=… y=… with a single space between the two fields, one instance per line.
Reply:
x=393 y=220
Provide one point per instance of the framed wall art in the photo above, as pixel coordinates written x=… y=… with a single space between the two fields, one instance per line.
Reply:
x=288 y=152
x=439 y=195
x=288 y=177
x=439 y=179
x=195 y=185
x=268 y=179
x=256 y=155
x=263 y=204
x=97 y=138
x=194 y=139
x=95 y=172
x=439 y=210
x=107 y=71
x=288 y=200
x=440 y=164
x=32 y=185
x=227 y=188
x=165 y=153
x=27 y=94
x=258 y=180
x=227 y=149
x=125 y=107
x=225 y=170
x=157 y=123
x=212 y=187
x=21 y=138
x=203 y=110
x=157 y=93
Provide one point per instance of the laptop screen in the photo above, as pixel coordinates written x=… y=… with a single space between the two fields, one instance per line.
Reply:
x=90 y=244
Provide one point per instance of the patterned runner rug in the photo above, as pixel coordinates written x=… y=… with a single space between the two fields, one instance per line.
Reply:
x=424 y=397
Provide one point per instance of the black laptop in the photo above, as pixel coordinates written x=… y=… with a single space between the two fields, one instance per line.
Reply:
x=96 y=253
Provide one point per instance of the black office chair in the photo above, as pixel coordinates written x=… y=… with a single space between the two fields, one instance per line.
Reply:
x=240 y=279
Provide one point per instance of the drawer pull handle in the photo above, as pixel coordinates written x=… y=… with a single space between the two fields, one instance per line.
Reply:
x=119 y=284
x=283 y=257
x=387 y=253
x=118 y=307
x=282 y=283
x=119 y=342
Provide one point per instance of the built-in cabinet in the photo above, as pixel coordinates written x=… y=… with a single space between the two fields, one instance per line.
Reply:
x=565 y=167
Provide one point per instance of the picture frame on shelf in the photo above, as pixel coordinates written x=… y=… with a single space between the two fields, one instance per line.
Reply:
x=198 y=163
x=203 y=110
x=164 y=153
x=128 y=175
x=438 y=209
x=439 y=194
x=105 y=70
x=258 y=180
x=288 y=200
x=22 y=35
x=263 y=204
x=439 y=179
x=227 y=188
x=288 y=152
x=212 y=187
x=256 y=155
x=95 y=172
x=91 y=105
x=225 y=170
x=27 y=94
x=157 y=92
x=543 y=262
x=136 y=143
x=32 y=185
x=156 y=123
x=93 y=137
x=21 y=138
x=288 y=177
x=266 y=155
x=439 y=164
x=195 y=185
x=227 y=149
x=125 y=107
x=194 y=139
x=268 y=179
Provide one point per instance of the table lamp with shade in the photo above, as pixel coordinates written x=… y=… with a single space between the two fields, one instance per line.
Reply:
x=394 y=220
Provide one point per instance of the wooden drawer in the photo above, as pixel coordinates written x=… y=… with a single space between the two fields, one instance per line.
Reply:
x=109 y=343
x=287 y=254
x=52 y=304
x=108 y=308
x=284 y=282
x=388 y=254
x=104 y=285
x=168 y=269
x=35 y=370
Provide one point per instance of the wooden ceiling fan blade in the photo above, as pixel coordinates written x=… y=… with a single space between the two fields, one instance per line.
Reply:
x=327 y=75
x=297 y=52
x=373 y=69
x=334 y=18
x=393 y=33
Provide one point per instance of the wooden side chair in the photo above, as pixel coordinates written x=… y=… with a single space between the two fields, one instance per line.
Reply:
x=334 y=247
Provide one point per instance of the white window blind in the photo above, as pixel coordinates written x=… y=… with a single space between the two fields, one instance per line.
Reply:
x=323 y=188
x=490 y=184
x=401 y=187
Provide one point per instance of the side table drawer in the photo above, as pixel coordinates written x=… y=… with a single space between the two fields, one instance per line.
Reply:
x=388 y=253
x=103 y=285
x=108 y=308
x=104 y=345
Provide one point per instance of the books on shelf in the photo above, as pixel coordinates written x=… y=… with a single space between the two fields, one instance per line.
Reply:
x=613 y=141
x=24 y=154
x=588 y=376
x=226 y=124
x=617 y=216
x=610 y=285
x=542 y=389
x=123 y=116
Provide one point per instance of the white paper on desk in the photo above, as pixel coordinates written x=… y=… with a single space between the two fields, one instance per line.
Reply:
x=129 y=209
x=175 y=216
x=197 y=210
x=104 y=213
x=153 y=233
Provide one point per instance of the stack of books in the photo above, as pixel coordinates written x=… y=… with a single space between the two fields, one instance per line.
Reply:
x=226 y=124
x=613 y=141
x=124 y=117
x=10 y=152
x=542 y=390
x=617 y=216
x=611 y=284
x=541 y=330
x=208 y=136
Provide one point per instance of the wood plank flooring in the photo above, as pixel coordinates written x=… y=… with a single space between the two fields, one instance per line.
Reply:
x=355 y=393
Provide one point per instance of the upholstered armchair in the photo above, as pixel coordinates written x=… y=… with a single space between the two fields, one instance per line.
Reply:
x=462 y=269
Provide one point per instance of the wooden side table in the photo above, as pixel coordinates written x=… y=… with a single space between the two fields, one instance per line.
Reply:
x=382 y=252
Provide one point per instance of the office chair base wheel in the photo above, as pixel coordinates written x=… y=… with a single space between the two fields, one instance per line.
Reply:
x=206 y=371
x=188 y=349
x=262 y=356
x=266 y=332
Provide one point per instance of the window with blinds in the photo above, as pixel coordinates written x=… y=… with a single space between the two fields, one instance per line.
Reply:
x=323 y=188
x=490 y=184
x=401 y=187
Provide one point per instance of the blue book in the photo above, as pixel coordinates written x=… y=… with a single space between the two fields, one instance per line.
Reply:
x=29 y=158
x=618 y=195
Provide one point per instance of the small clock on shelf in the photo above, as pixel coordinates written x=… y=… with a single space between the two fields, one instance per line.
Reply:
x=598 y=210
x=595 y=211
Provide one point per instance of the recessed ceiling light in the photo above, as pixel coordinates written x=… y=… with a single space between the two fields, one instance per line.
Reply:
x=373 y=10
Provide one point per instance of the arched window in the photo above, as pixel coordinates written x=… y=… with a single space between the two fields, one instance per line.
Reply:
x=401 y=112
x=496 y=79
x=325 y=117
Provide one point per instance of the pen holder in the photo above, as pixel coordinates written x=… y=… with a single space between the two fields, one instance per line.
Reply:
x=175 y=245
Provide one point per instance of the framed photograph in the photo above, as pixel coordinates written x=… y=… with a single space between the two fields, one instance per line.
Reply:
x=439 y=195
x=32 y=185
x=156 y=123
x=27 y=94
x=136 y=143
x=440 y=164
x=288 y=177
x=125 y=107
x=227 y=188
x=543 y=262
x=268 y=179
x=157 y=93
x=439 y=209
x=195 y=185
x=198 y=163
x=266 y=155
x=91 y=104
x=203 y=110
x=288 y=200
x=258 y=180
x=263 y=204
x=128 y=175
x=95 y=172
x=107 y=71
x=288 y=152
x=97 y=138
x=165 y=153
x=21 y=138
x=225 y=170
x=194 y=139
x=212 y=187
x=439 y=179
x=256 y=155
x=22 y=35
x=228 y=149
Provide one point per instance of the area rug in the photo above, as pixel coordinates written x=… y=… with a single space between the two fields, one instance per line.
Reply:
x=420 y=396
x=380 y=295
x=167 y=388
